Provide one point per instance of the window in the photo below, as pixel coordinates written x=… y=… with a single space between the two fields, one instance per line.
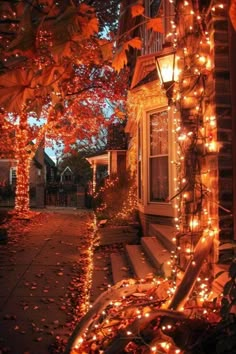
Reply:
x=68 y=177
x=139 y=164
x=154 y=7
x=158 y=157
x=13 y=175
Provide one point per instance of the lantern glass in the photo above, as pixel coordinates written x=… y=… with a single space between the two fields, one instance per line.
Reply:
x=166 y=67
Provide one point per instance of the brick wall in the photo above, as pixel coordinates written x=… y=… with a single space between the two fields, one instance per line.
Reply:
x=221 y=98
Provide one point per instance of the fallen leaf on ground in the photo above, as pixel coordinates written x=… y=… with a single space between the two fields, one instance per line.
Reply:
x=39 y=339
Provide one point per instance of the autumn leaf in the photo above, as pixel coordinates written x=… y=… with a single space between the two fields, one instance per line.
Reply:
x=134 y=43
x=18 y=87
x=106 y=49
x=90 y=28
x=137 y=10
x=15 y=89
x=232 y=13
x=120 y=59
x=120 y=114
x=85 y=9
x=64 y=29
x=155 y=24
x=25 y=41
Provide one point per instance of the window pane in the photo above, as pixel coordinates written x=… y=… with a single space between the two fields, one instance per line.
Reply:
x=159 y=184
x=139 y=181
x=159 y=133
x=139 y=164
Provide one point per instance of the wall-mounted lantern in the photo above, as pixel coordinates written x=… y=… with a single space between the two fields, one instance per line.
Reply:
x=165 y=64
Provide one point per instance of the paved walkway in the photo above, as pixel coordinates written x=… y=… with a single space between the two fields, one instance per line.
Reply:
x=42 y=276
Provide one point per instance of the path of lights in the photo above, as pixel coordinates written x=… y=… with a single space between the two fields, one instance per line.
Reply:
x=87 y=265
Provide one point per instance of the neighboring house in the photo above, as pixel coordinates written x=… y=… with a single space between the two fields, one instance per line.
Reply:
x=42 y=169
x=50 y=169
x=67 y=176
x=111 y=160
x=182 y=136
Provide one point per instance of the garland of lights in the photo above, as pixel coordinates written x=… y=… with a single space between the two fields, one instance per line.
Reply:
x=23 y=157
x=196 y=138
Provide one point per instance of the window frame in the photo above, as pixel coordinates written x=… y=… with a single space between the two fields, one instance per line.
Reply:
x=139 y=163
x=146 y=206
x=13 y=176
x=152 y=156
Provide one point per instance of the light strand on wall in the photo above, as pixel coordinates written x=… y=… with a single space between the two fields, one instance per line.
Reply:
x=193 y=191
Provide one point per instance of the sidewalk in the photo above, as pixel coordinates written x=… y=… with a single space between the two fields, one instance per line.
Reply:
x=42 y=277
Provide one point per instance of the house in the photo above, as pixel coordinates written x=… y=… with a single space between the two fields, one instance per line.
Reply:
x=182 y=132
x=42 y=170
x=112 y=159
x=67 y=176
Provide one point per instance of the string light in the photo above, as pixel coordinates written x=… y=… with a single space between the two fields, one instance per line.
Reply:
x=195 y=218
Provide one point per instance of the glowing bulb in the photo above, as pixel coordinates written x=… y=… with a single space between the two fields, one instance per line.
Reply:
x=193 y=224
x=202 y=59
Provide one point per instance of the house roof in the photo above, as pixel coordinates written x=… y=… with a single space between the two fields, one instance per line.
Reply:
x=145 y=64
x=48 y=160
x=98 y=159
x=37 y=163
x=67 y=168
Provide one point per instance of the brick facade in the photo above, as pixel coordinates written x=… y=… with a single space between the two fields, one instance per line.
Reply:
x=221 y=98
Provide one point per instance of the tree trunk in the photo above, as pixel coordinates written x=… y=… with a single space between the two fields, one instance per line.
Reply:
x=23 y=158
x=22 y=203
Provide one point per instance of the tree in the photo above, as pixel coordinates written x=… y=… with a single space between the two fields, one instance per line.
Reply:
x=55 y=72
x=232 y=13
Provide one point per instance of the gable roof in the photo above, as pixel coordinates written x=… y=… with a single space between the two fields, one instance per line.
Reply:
x=65 y=169
x=48 y=160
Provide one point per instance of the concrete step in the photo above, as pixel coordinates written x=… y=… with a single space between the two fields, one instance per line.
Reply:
x=117 y=230
x=108 y=235
x=131 y=239
x=139 y=262
x=158 y=254
x=120 y=267
x=165 y=234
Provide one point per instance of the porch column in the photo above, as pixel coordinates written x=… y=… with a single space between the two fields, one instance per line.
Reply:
x=94 y=176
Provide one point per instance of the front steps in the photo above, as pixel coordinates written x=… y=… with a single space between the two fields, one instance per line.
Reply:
x=143 y=257
x=117 y=234
x=139 y=262
x=119 y=267
x=148 y=256
x=158 y=254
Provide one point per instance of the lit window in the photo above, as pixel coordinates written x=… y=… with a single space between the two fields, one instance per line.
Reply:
x=139 y=164
x=13 y=175
x=158 y=157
